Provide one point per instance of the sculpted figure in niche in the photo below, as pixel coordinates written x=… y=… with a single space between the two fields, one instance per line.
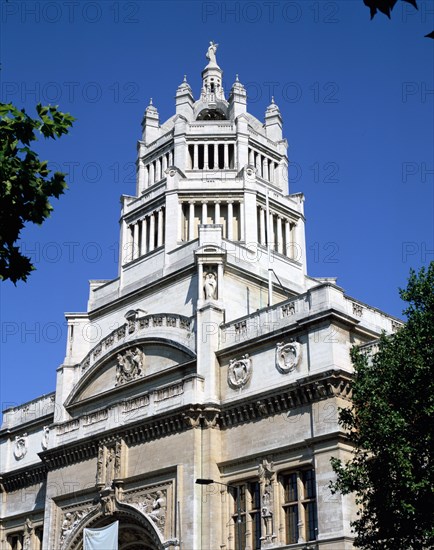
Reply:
x=28 y=534
x=210 y=286
x=210 y=54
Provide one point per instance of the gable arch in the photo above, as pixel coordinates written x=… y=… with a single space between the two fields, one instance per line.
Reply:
x=162 y=351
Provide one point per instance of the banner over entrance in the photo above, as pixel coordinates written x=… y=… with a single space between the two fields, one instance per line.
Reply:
x=105 y=538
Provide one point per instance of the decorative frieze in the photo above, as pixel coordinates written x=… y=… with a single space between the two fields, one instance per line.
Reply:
x=68 y=427
x=136 y=403
x=239 y=371
x=93 y=418
x=168 y=392
x=288 y=309
x=288 y=356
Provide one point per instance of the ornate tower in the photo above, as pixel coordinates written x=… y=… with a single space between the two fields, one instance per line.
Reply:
x=212 y=355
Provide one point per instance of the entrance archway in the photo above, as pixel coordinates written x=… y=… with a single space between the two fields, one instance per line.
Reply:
x=136 y=532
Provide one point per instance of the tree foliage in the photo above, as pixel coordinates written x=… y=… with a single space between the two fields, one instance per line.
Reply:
x=26 y=183
x=386 y=7
x=391 y=426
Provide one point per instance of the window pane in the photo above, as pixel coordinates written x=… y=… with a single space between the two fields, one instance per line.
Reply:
x=240 y=533
x=291 y=488
x=291 y=517
x=256 y=530
x=309 y=484
x=242 y=497
x=311 y=521
x=255 y=496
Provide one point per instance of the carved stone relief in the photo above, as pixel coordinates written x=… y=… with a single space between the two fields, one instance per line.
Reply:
x=266 y=475
x=20 y=447
x=29 y=532
x=130 y=365
x=288 y=356
x=109 y=463
x=239 y=371
x=70 y=520
x=153 y=503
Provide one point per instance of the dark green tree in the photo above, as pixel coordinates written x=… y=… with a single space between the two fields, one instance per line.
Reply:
x=26 y=184
x=391 y=425
x=386 y=7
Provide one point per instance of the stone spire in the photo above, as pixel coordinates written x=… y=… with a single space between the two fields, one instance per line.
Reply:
x=273 y=122
x=237 y=99
x=150 y=124
x=184 y=100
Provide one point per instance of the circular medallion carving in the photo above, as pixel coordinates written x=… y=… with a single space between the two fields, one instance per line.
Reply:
x=20 y=449
x=239 y=371
x=287 y=356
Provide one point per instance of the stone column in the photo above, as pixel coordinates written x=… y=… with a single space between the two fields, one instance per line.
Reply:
x=251 y=157
x=164 y=161
x=279 y=235
x=191 y=221
x=230 y=220
x=242 y=218
x=271 y=236
x=136 y=250
x=262 y=238
x=217 y=212
x=288 y=245
x=265 y=168
x=179 y=236
x=195 y=156
x=258 y=163
x=127 y=247
x=143 y=249
x=158 y=170
x=152 y=232
x=226 y=156
x=160 y=228
x=205 y=156
x=171 y=158
x=151 y=174
x=204 y=212
x=216 y=156
x=271 y=166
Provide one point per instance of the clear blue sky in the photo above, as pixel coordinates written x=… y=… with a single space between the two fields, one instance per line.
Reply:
x=357 y=110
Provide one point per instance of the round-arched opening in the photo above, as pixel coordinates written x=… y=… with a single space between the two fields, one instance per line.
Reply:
x=135 y=533
x=211 y=114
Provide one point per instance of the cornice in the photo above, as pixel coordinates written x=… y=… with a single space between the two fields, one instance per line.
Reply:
x=313 y=388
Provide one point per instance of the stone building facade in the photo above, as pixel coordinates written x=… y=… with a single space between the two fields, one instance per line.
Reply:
x=212 y=355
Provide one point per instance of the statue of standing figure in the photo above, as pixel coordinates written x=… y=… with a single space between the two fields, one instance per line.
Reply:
x=210 y=286
x=210 y=54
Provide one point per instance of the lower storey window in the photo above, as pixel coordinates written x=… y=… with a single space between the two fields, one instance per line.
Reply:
x=299 y=506
x=248 y=523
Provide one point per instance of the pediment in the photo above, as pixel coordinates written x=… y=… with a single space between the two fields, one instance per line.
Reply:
x=128 y=368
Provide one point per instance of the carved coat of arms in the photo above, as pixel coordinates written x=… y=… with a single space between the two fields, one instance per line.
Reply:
x=239 y=371
x=288 y=356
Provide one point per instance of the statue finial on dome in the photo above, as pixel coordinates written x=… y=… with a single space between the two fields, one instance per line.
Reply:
x=210 y=54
